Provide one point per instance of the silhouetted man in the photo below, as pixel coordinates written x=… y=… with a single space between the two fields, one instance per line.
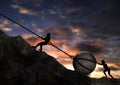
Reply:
x=106 y=68
x=47 y=40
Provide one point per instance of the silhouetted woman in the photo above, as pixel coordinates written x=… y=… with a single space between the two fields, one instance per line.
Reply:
x=106 y=68
x=47 y=40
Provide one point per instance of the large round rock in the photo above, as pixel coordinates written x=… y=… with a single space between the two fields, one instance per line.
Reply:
x=84 y=62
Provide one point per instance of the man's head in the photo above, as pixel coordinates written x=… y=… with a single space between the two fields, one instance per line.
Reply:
x=103 y=61
x=48 y=34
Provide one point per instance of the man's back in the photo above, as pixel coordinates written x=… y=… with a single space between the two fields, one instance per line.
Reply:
x=47 y=39
x=105 y=66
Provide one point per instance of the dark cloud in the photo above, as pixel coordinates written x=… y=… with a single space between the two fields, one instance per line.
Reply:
x=89 y=47
x=109 y=19
x=33 y=39
x=100 y=16
x=61 y=33
x=113 y=68
x=104 y=21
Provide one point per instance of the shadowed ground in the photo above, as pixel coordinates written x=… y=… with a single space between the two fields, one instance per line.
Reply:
x=105 y=81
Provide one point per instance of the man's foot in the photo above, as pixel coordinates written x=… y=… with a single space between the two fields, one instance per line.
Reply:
x=34 y=47
x=40 y=50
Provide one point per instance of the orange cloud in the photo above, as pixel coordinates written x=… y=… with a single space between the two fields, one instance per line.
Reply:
x=76 y=30
x=59 y=42
x=59 y=32
x=6 y=29
x=26 y=36
x=3 y=23
x=37 y=28
x=24 y=10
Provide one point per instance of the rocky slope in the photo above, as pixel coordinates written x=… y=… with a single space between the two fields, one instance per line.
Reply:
x=20 y=64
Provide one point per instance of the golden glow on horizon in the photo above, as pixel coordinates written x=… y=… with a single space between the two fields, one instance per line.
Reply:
x=99 y=73
x=69 y=66
x=95 y=73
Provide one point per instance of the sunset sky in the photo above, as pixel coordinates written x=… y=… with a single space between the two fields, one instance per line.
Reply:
x=75 y=26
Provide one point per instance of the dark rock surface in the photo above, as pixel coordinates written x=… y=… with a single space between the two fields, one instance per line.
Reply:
x=20 y=64
x=105 y=81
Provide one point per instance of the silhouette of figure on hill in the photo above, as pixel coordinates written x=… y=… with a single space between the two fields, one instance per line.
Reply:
x=46 y=41
x=106 y=68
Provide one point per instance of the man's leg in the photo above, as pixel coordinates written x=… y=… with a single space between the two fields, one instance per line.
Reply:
x=105 y=73
x=36 y=45
x=110 y=74
x=40 y=47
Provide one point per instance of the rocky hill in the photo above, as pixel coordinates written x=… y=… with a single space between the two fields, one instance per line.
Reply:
x=20 y=64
